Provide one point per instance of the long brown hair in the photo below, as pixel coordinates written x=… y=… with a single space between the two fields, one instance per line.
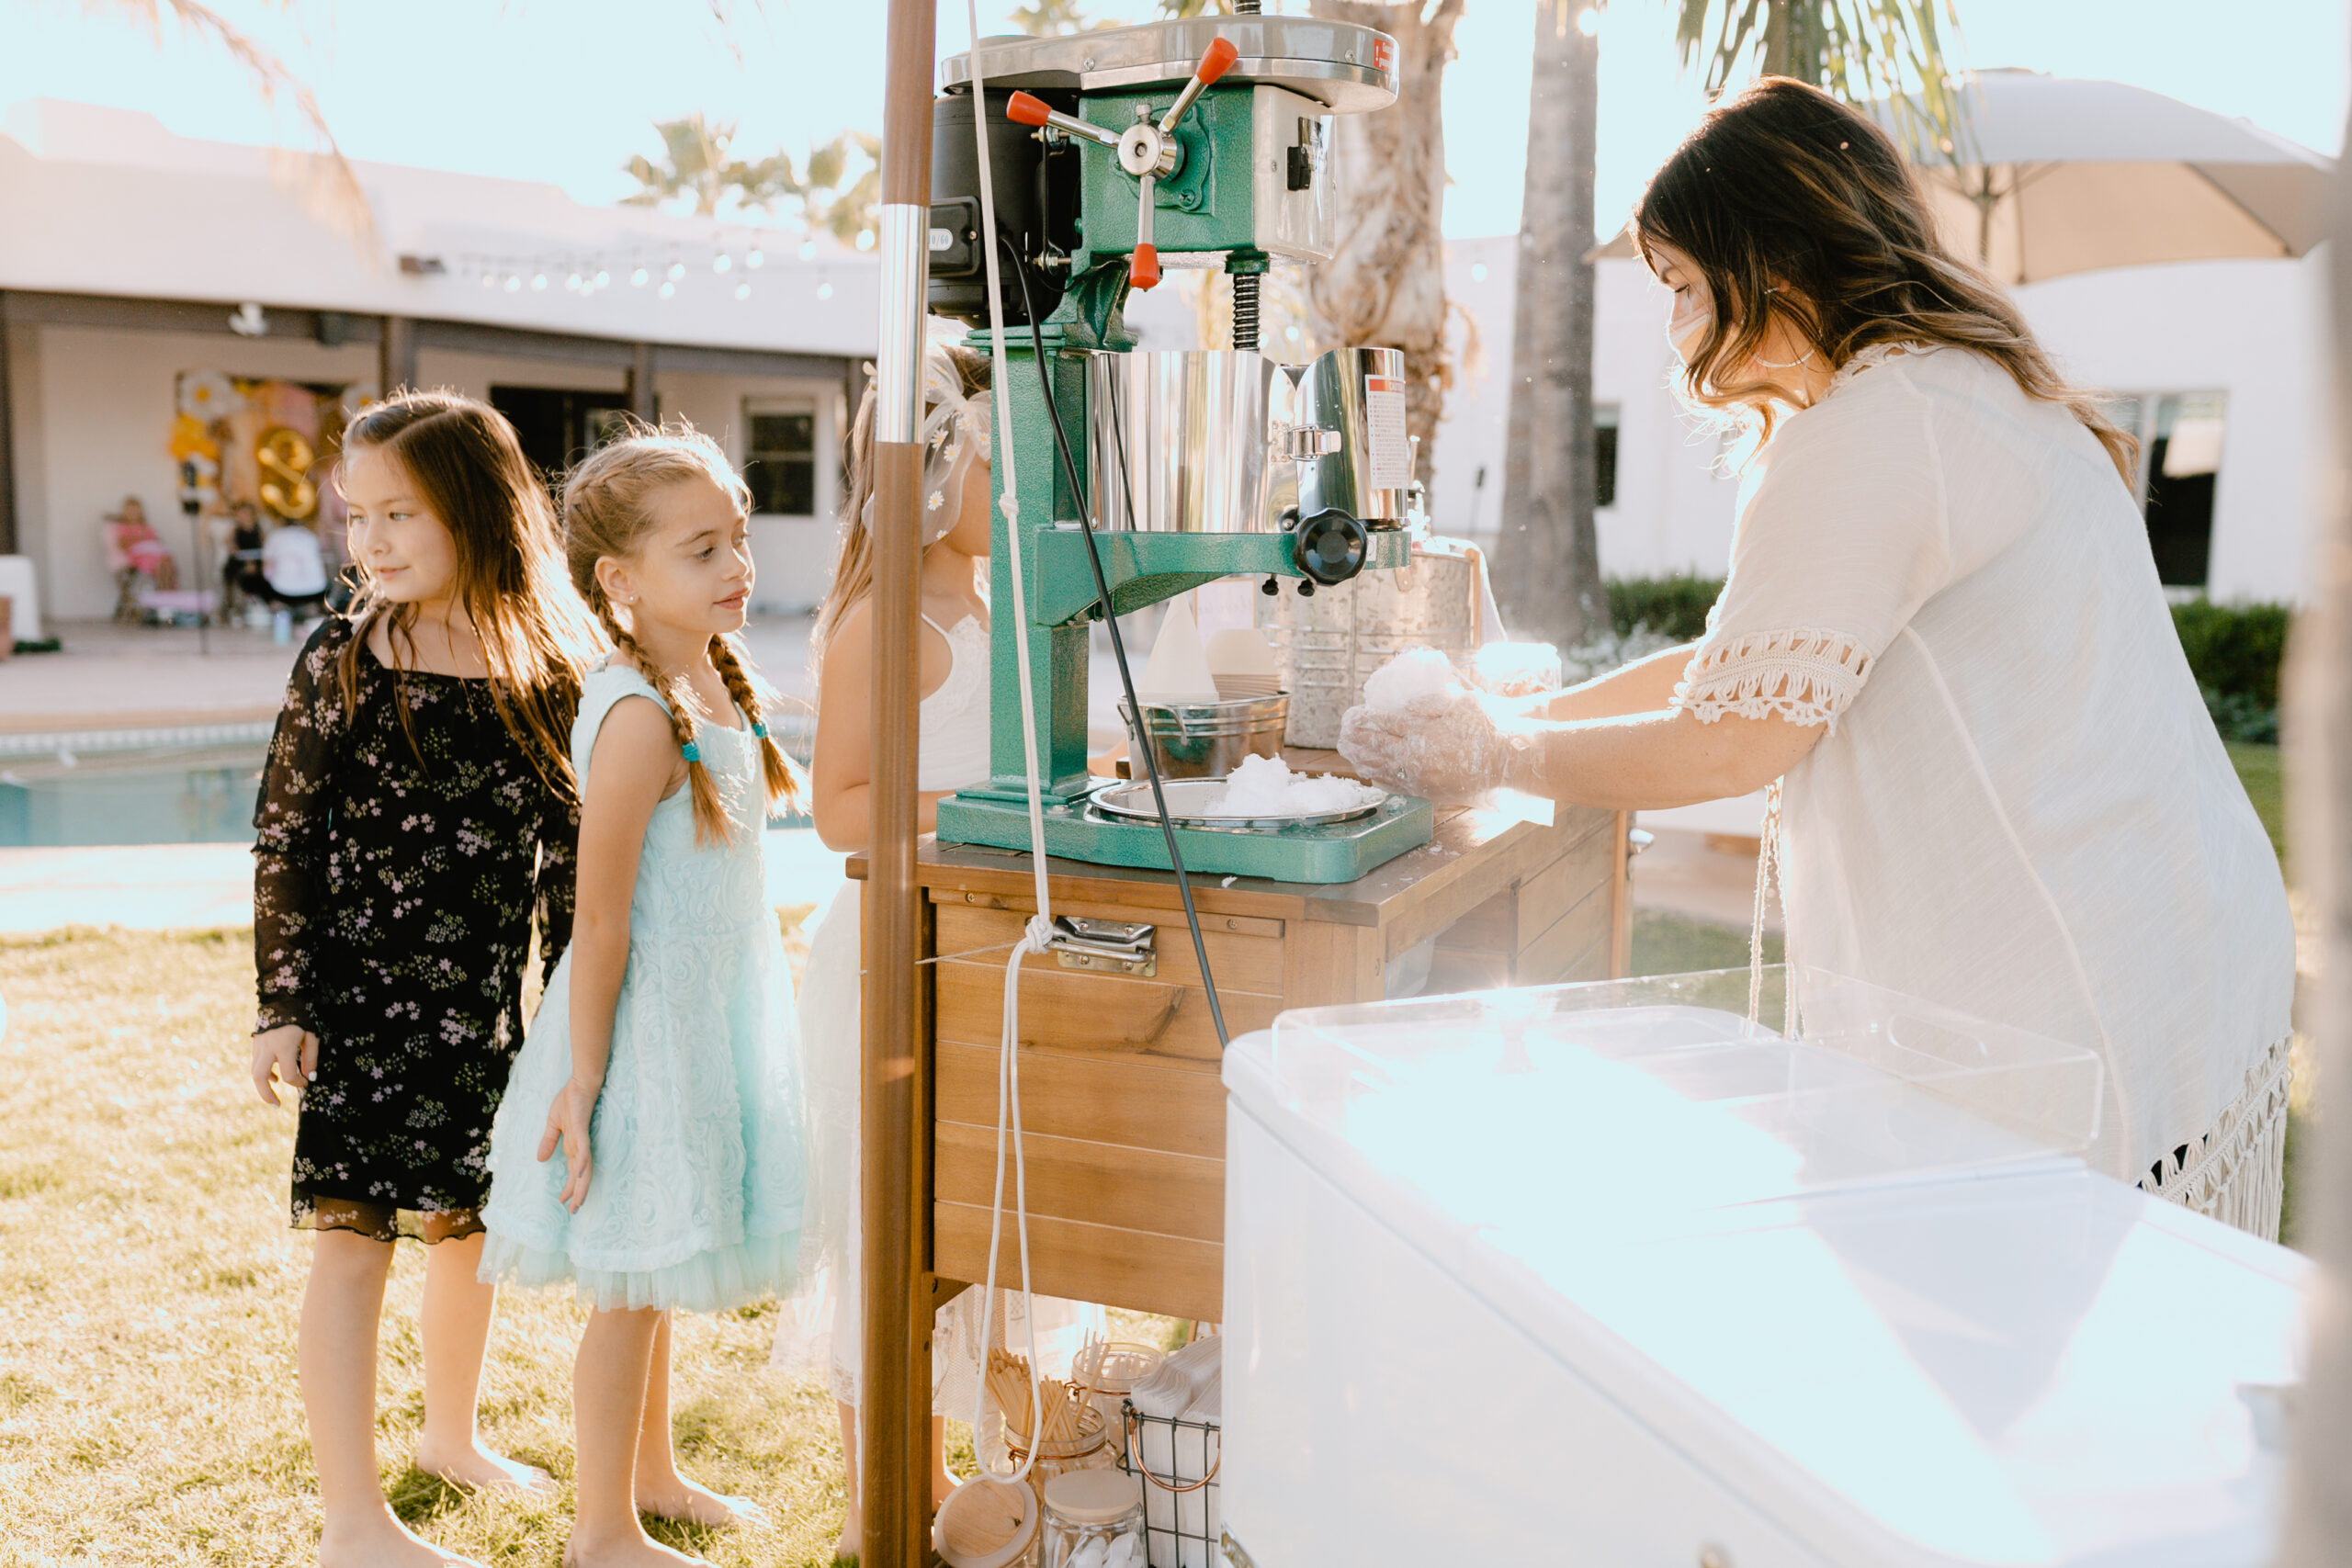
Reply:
x=607 y=505
x=1792 y=204
x=854 y=556
x=536 y=637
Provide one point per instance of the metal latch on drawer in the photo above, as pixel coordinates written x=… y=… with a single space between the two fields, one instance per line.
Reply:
x=1116 y=947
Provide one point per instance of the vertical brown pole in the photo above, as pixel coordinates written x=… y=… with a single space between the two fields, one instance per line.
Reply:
x=641 y=400
x=895 y=1468
x=396 y=355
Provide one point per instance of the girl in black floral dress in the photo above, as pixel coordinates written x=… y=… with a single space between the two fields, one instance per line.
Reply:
x=417 y=812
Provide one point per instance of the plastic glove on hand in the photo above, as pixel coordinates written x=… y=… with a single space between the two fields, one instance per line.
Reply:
x=1443 y=746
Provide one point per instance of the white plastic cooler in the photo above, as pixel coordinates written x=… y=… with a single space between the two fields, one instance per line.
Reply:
x=1602 y=1275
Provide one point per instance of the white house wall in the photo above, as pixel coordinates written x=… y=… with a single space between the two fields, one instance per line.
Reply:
x=95 y=412
x=105 y=402
x=2253 y=330
x=794 y=554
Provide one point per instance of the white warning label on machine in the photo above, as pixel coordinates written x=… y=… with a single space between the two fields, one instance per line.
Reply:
x=1383 y=418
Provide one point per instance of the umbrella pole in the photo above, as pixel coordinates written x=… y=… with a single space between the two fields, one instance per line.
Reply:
x=894 y=1468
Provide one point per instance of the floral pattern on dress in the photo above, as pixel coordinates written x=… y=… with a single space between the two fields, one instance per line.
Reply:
x=395 y=886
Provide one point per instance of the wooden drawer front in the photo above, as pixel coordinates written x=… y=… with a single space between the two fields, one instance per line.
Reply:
x=1576 y=947
x=1590 y=866
x=1242 y=961
x=1136 y=1270
x=1117 y=1100
x=1080 y=1012
x=1102 y=1184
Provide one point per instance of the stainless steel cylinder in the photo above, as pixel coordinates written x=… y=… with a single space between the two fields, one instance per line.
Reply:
x=1358 y=393
x=1181 y=441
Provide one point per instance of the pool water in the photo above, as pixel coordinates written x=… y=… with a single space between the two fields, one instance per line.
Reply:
x=194 y=797
x=148 y=797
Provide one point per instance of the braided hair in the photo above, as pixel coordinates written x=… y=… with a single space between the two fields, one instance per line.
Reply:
x=607 y=505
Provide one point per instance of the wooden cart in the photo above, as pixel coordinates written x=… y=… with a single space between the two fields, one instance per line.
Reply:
x=1122 y=1103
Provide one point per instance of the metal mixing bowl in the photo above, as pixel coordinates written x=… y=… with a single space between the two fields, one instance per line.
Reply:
x=1208 y=741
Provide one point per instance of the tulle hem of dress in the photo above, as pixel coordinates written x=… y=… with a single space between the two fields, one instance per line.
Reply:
x=753 y=1269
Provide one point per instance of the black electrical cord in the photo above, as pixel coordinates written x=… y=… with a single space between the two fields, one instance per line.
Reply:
x=1141 y=728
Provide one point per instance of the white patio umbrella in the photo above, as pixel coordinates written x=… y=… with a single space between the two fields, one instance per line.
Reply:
x=2060 y=175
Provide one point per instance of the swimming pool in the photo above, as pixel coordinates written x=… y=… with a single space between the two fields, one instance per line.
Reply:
x=202 y=794
x=192 y=794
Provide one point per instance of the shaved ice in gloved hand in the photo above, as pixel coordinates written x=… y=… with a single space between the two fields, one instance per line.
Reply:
x=1422 y=732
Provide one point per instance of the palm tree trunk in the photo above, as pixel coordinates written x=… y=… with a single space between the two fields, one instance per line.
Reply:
x=1384 y=284
x=2319 y=737
x=1548 y=562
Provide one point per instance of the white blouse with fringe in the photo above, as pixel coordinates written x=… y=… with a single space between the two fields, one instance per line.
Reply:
x=2020 y=807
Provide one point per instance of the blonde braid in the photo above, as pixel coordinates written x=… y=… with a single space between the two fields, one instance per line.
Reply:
x=712 y=825
x=781 y=780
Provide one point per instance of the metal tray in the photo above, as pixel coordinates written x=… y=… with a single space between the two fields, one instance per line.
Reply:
x=1187 y=806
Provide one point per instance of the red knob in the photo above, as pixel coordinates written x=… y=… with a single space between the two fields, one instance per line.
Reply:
x=1220 y=56
x=1144 y=270
x=1030 y=110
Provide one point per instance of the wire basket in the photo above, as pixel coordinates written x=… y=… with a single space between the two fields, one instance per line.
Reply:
x=1175 y=1462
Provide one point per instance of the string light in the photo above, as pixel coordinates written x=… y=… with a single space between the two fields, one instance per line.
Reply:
x=489 y=279
x=825 y=290
x=865 y=239
x=668 y=288
x=677 y=270
x=513 y=282
x=742 y=292
x=604 y=279
x=807 y=250
x=637 y=278
x=755 y=258
x=539 y=281
x=721 y=262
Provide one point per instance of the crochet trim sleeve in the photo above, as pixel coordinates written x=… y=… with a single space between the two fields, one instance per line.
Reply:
x=1803 y=676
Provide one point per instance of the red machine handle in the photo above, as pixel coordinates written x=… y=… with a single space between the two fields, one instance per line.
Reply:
x=1216 y=60
x=1143 y=269
x=1029 y=109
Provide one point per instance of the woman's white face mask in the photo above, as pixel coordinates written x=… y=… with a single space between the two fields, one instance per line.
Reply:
x=1695 y=308
x=1693 y=314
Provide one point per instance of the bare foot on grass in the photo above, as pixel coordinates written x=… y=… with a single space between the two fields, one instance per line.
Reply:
x=688 y=1503
x=630 y=1549
x=478 y=1469
x=383 y=1542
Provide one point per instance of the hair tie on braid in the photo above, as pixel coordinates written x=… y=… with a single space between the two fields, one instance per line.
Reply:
x=690 y=751
x=759 y=730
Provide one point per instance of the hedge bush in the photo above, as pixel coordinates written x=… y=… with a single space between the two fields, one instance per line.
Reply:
x=2233 y=650
x=1674 y=607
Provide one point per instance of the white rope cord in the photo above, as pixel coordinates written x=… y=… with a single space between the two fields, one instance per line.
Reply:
x=1038 y=938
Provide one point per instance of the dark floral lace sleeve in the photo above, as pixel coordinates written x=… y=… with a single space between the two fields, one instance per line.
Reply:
x=558 y=885
x=291 y=827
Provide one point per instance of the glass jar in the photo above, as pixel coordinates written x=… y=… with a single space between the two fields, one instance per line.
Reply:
x=1094 y=1519
x=1088 y=1448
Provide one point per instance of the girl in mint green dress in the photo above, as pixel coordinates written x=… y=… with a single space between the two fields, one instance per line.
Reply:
x=649 y=1146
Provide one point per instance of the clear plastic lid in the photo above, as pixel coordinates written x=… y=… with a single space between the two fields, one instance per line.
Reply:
x=1664 y=1076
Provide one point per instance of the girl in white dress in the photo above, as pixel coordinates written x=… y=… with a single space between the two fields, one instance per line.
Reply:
x=1943 y=634
x=952 y=747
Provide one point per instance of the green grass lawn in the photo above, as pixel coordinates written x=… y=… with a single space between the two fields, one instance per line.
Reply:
x=2260 y=771
x=148 y=1407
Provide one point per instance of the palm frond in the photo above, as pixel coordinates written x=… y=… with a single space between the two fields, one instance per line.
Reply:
x=336 y=200
x=1862 y=51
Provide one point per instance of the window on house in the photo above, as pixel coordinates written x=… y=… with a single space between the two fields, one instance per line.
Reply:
x=1604 y=455
x=780 y=464
x=2181 y=461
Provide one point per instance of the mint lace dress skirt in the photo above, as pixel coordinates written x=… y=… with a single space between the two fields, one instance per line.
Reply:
x=696 y=1192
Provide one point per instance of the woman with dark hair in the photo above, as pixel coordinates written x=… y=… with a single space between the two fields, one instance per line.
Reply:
x=1942 y=635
